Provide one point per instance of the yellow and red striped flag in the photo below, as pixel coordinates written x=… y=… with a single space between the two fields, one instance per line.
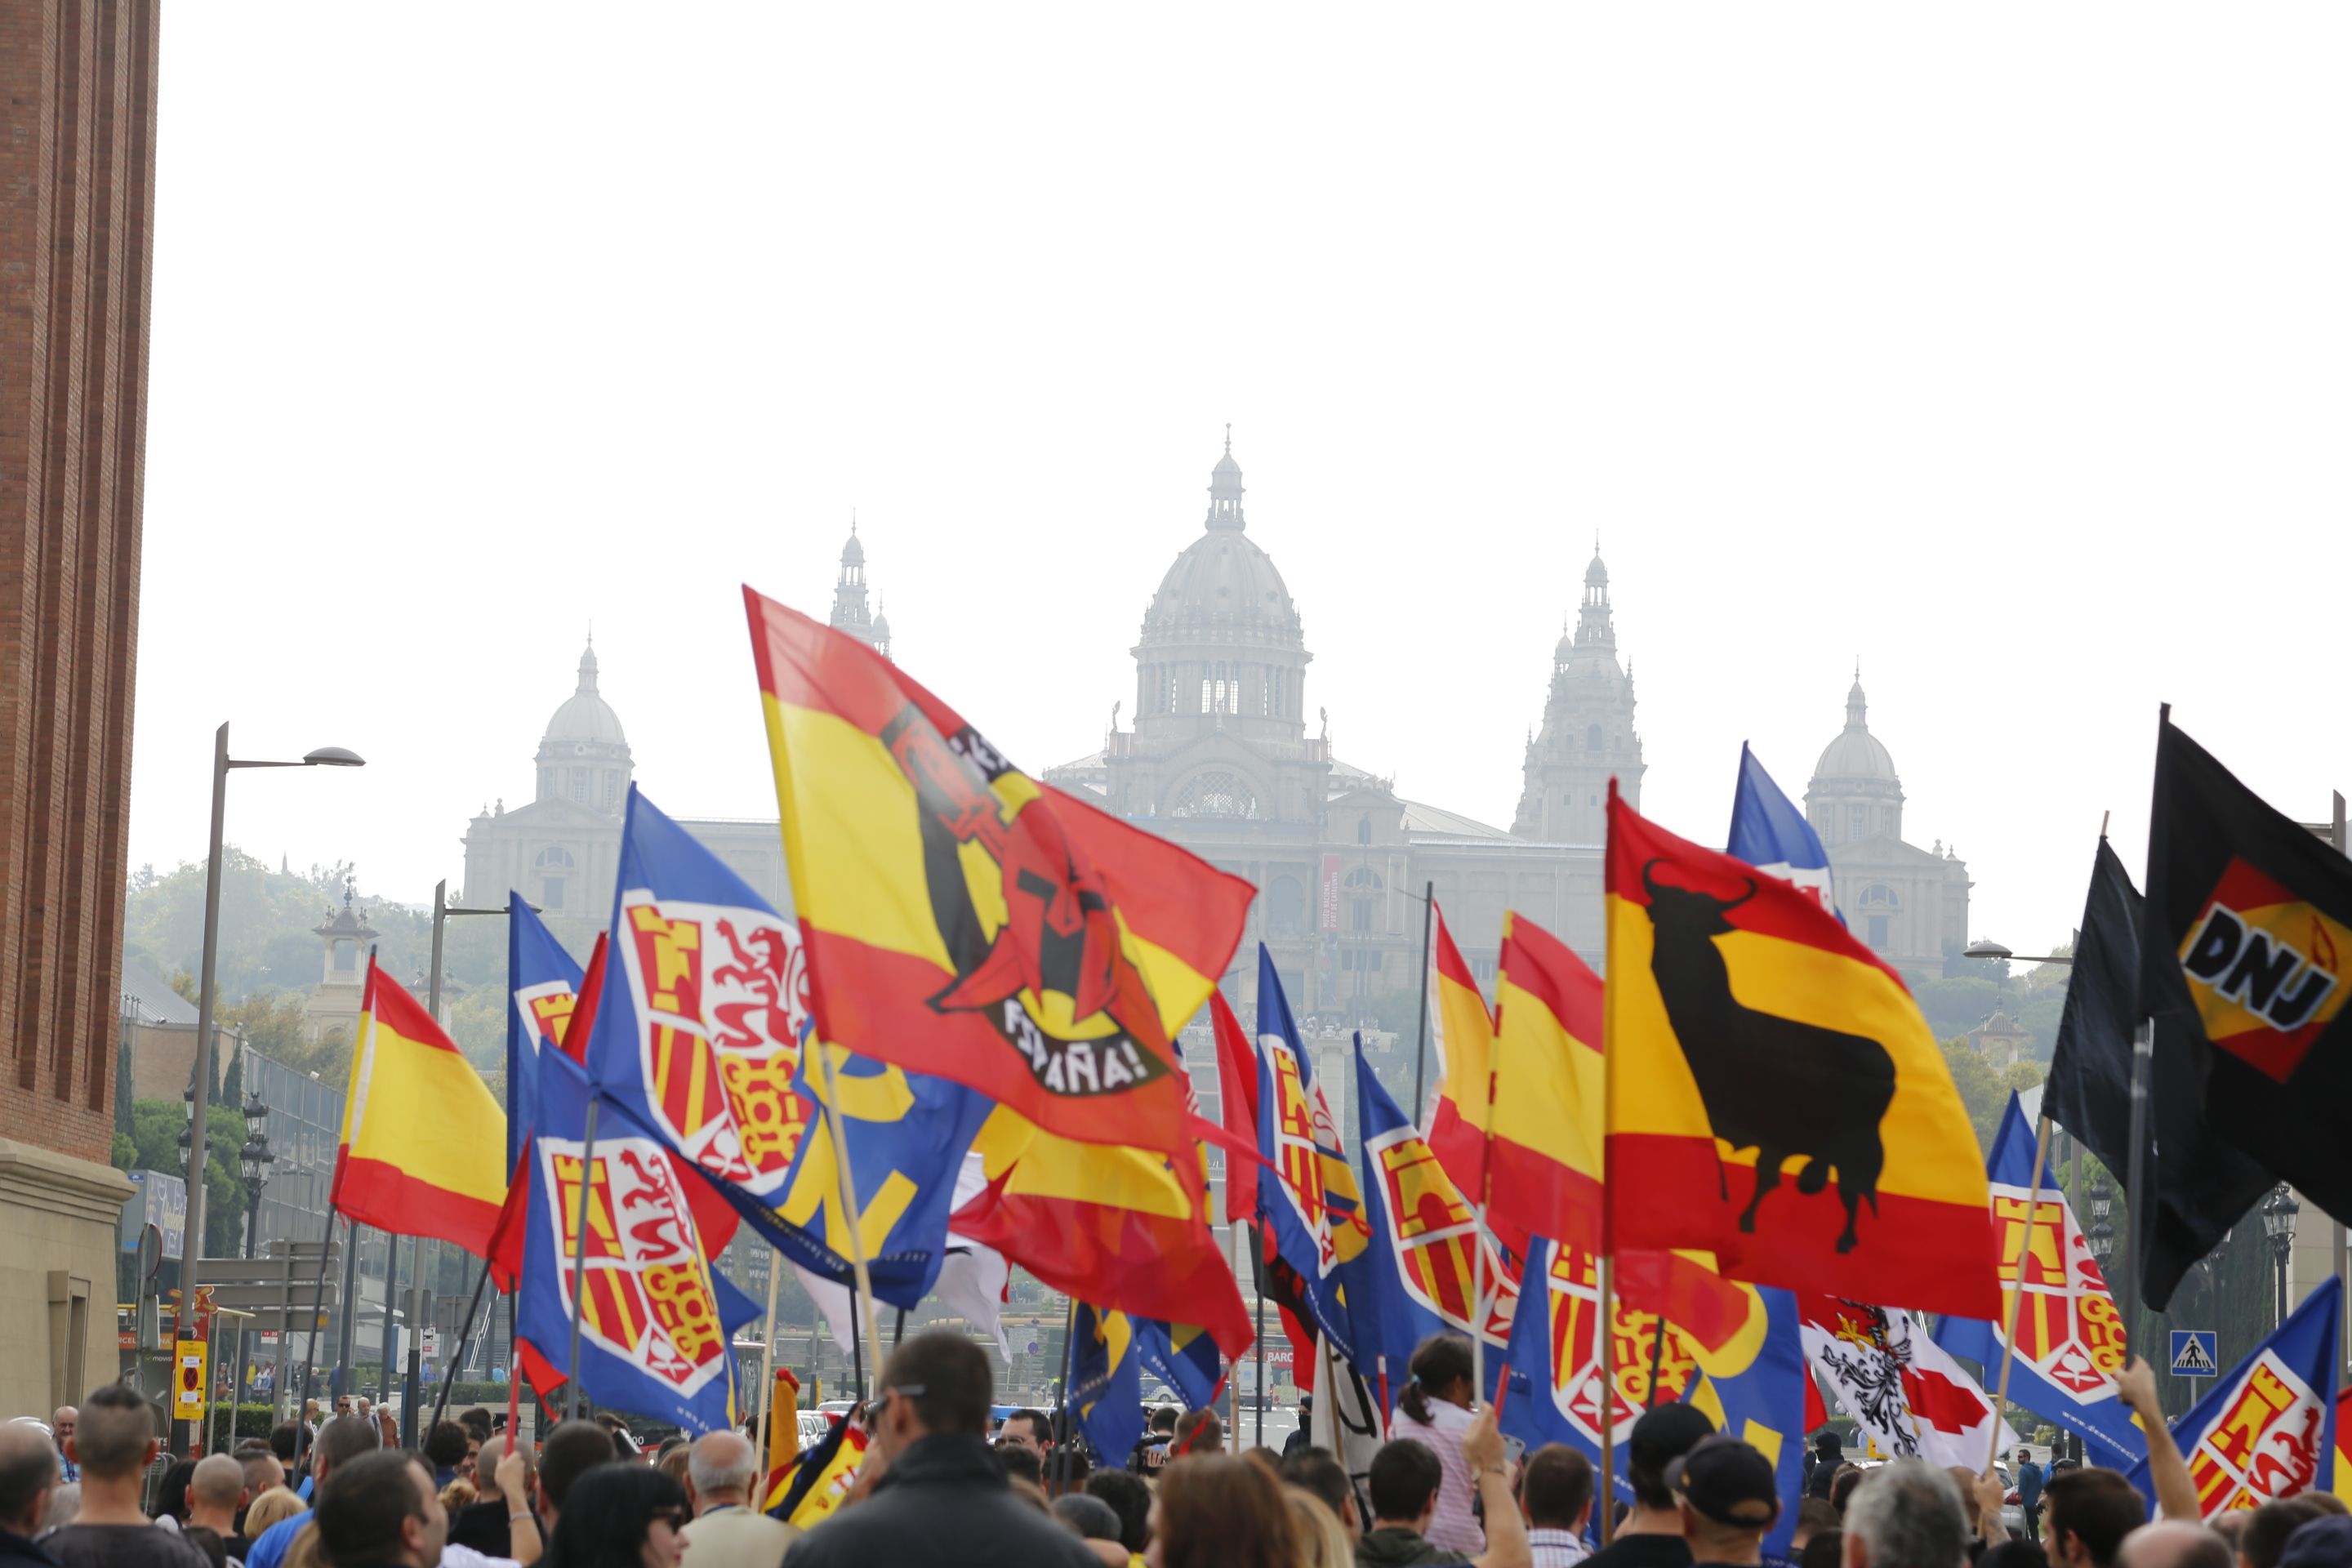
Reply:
x=964 y=920
x=1774 y=1096
x=423 y=1151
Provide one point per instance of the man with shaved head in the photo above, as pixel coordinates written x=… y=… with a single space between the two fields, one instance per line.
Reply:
x=2173 y=1544
x=114 y=1442
x=215 y=1492
x=727 y=1531
x=28 y=1473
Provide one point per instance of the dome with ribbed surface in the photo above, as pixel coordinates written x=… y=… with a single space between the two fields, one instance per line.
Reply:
x=1856 y=753
x=586 y=716
x=1223 y=579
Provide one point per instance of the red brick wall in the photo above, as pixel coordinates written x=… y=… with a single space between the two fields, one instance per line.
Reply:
x=77 y=209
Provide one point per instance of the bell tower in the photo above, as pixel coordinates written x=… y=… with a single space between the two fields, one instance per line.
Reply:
x=1588 y=735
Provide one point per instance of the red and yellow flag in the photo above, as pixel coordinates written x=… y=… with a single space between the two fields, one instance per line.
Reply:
x=964 y=920
x=1464 y=1032
x=1544 y=1159
x=1124 y=1228
x=423 y=1144
x=1773 y=1094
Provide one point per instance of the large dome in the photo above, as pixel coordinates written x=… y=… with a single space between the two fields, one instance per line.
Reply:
x=1856 y=753
x=585 y=716
x=1221 y=579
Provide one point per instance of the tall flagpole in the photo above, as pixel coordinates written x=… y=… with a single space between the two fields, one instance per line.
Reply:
x=1421 y=1041
x=766 y=1403
x=2017 y=1289
x=853 y=1220
x=580 y=1259
x=2135 y=1177
x=1605 y=1495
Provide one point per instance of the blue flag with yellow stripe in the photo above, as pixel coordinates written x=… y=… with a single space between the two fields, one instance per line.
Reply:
x=1105 y=1397
x=1182 y=1356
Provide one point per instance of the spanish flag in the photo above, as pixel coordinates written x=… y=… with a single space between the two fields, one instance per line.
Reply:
x=1125 y=1228
x=1464 y=1031
x=1773 y=1094
x=423 y=1149
x=1544 y=1145
x=964 y=920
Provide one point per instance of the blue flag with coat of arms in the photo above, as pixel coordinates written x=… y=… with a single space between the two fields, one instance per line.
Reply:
x=699 y=1033
x=1305 y=1208
x=2070 y=1337
x=1428 y=1262
x=2268 y=1429
x=542 y=984
x=1106 y=1394
x=656 y=1319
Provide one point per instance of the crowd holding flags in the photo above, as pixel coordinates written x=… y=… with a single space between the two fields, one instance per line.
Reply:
x=1725 y=1168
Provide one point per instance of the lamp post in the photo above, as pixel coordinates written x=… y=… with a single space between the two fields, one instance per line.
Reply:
x=253 y=1163
x=200 y=1089
x=2278 y=1224
x=2101 y=1237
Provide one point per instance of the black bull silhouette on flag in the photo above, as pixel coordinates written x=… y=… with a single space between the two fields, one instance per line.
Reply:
x=1779 y=1085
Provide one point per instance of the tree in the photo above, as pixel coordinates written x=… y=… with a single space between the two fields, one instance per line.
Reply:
x=1984 y=1091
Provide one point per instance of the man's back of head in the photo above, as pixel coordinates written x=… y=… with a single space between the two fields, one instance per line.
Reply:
x=1661 y=1433
x=1907 y=1514
x=28 y=1469
x=1198 y=1431
x=362 y=1507
x=1404 y=1478
x=1319 y=1475
x=2175 y=1543
x=570 y=1450
x=1557 y=1488
x=2091 y=1511
x=953 y=1377
x=341 y=1440
x=723 y=1467
x=284 y=1439
x=1130 y=1496
x=2263 y=1538
x=216 y=1486
x=485 y=1468
x=112 y=1434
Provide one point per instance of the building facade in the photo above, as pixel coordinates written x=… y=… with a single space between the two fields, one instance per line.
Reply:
x=78 y=167
x=1911 y=905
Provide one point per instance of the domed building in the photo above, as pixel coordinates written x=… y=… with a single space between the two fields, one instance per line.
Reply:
x=563 y=851
x=1911 y=905
x=850 y=613
x=1221 y=757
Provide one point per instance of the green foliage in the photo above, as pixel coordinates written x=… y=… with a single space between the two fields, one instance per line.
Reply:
x=153 y=1144
x=1984 y=1091
x=266 y=941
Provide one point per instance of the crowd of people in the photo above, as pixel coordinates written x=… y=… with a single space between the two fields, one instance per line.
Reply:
x=936 y=1487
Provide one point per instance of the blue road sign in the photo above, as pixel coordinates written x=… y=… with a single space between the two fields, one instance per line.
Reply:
x=2193 y=1354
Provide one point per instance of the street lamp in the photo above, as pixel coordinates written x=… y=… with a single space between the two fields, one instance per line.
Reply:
x=200 y=1089
x=2278 y=1224
x=1981 y=949
x=253 y=1163
x=2101 y=1237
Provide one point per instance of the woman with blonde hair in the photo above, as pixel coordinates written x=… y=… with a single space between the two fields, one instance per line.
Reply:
x=272 y=1507
x=1322 y=1539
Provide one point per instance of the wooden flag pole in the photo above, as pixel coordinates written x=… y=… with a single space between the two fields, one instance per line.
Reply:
x=1605 y=1495
x=767 y=1400
x=853 y=1220
x=2017 y=1289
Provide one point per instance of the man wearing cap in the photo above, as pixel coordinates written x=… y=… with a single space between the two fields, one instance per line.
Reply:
x=1723 y=1491
x=1652 y=1535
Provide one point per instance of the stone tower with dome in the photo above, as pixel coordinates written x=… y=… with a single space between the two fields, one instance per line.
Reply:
x=1226 y=752
x=1911 y=905
x=1588 y=735
x=850 y=612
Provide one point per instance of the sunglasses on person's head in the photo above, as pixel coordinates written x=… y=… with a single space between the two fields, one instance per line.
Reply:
x=903 y=1391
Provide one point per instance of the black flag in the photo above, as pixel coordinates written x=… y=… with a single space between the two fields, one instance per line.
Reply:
x=2242 y=951
x=2200 y=1184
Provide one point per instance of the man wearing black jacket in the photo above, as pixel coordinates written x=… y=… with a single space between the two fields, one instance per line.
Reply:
x=28 y=1473
x=941 y=1497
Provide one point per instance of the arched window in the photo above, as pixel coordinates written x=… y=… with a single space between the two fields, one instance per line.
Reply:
x=1364 y=828
x=347 y=952
x=1363 y=885
x=1286 y=906
x=1216 y=795
x=553 y=868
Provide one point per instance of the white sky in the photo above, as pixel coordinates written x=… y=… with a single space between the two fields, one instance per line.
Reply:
x=2003 y=346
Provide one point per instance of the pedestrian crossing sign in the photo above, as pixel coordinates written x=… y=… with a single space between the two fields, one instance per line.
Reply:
x=2192 y=1353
